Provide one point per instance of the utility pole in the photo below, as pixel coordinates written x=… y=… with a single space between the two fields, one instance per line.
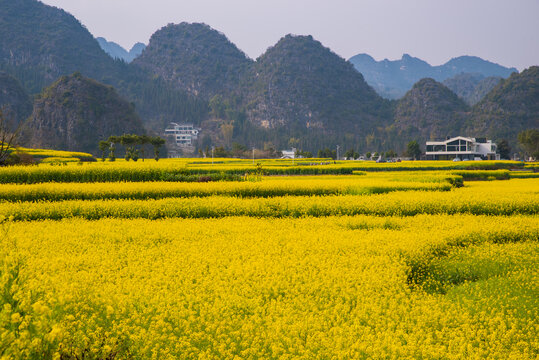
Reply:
x=212 y=148
x=338 y=152
x=253 y=155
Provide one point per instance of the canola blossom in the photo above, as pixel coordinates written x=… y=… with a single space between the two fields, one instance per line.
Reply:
x=412 y=260
x=268 y=187
x=516 y=196
x=189 y=170
x=334 y=287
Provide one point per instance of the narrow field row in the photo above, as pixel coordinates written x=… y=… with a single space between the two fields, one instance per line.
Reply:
x=183 y=170
x=268 y=187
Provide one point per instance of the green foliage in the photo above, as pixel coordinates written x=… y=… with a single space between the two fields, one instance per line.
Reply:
x=327 y=153
x=429 y=110
x=391 y=154
x=529 y=139
x=504 y=149
x=413 y=149
x=304 y=154
x=97 y=111
x=511 y=107
x=104 y=146
x=156 y=142
x=195 y=58
x=15 y=102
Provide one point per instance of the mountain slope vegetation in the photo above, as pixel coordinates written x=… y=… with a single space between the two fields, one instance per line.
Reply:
x=194 y=58
x=303 y=87
x=429 y=111
x=471 y=87
x=15 y=103
x=512 y=106
x=75 y=113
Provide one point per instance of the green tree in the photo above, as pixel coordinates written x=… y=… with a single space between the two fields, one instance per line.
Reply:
x=143 y=140
x=413 y=149
x=156 y=142
x=504 y=149
x=529 y=140
x=113 y=140
x=227 y=130
x=368 y=155
x=104 y=146
x=391 y=154
x=220 y=152
x=238 y=150
x=218 y=107
x=129 y=141
x=349 y=154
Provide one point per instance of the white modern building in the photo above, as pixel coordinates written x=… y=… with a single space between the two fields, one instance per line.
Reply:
x=462 y=148
x=288 y=154
x=183 y=135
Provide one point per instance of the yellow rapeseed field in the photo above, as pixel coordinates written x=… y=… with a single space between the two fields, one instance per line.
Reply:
x=383 y=265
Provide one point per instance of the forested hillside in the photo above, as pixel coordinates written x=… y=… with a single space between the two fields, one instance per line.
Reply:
x=471 y=87
x=304 y=89
x=429 y=111
x=39 y=43
x=15 y=103
x=75 y=113
x=194 y=58
x=512 y=106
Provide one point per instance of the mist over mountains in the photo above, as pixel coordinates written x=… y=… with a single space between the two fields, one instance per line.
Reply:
x=298 y=93
x=393 y=78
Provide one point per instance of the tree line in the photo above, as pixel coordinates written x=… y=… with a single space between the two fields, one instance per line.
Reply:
x=134 y=146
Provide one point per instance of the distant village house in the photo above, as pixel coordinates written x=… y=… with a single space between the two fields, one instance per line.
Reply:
x=462 y=148
x=183 y=135
x=181 y=139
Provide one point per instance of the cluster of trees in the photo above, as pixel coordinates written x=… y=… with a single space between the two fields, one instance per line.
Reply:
x=240 y=151
x=529 y=140
x=134 y=146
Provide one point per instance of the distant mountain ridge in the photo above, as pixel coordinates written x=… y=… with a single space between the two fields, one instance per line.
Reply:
x=296 y=88
x=118 y=52
x=297 y=94
x=40 y=43
x=393 y=78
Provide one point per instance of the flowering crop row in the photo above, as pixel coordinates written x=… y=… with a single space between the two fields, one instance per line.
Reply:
x=185 y=170
x=268 y=187
x=484 y=200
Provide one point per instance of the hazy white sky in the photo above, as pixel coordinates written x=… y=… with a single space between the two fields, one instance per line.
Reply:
x=502 y=31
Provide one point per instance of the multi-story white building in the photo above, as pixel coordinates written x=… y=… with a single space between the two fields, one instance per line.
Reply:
x=183 y=135
x=288 y=154
x=462 y=148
